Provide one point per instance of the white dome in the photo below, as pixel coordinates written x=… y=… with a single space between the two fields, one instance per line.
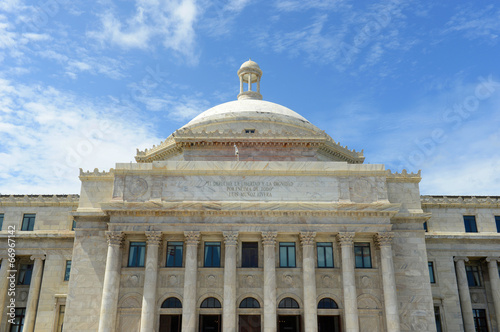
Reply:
x=259 y=112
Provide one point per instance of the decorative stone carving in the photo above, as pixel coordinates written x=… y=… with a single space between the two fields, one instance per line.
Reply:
x=327 y=281
x=307 y=238
x=250 y=281
x=269 y=238
x=192 y=238
x=23 y=296
x=383 y=239
x=230 y=238
x=288 y=280
x=136 y=186
x=346 y=238
x=132 y=280
x=154 y=238
x=38 y=256
x=460 y=258
x=211 y=280
x=172 y=280
x=114 y=238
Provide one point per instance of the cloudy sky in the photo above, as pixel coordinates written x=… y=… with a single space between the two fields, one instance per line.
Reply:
x=415 y=84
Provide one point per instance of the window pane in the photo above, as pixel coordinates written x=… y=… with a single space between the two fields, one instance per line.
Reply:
x=1 y=221
x=437 y=315
x=25 y=274
x=136 y=255
x=212 y=254
x=250 y=254
x=28 y=222
x=283 y=258
x=470 y=224
x=325 y=254
x=362 y=255
x=68 y=270
x=291 y=256
x=174 y=254
x=431 y=272
x=497 y=221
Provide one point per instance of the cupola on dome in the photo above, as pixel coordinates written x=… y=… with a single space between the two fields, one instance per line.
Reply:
x=260 y=130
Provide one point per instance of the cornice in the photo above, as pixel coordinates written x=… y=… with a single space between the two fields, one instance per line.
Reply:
x=460 y=201
x=404 y=176
x=39 y=200
x=96 y=175
x=187 y=138
x=463 y=237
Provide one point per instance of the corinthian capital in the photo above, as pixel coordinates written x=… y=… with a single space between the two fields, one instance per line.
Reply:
x=114 y=238
x=154 y=238
x=192 y=237
x=230 y=238
x=307 y=238
x=383 y=239
x=269 y=238
x=345 y=238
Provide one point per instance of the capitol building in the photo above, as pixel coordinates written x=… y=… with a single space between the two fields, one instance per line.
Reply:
x=250 y=218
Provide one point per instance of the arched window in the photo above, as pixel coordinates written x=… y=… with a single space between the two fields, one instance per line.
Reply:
x=249 y=302
x=171 y=302
x=288 y=303
x=210 y=302
x=327 y=303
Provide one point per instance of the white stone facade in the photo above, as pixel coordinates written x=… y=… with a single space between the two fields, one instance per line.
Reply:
x=292 y=233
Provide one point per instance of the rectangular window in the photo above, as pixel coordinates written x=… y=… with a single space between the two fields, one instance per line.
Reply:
x=18 y=324
x=480 y=320
x=250 y=254
x=473 y=275
x=287 y=254
x=325 y=254
x=497 y=221
x=1 y=221
x=431 y=272
x=174 y=254
x=60 y=319
x=470 y=224
x=25 y=271
x=437 y=315
x=67 y=271
x=363 y=255
x=28 y=222
x=425 y=226
x=136 y=254
x=73 y=225
x=212 y=254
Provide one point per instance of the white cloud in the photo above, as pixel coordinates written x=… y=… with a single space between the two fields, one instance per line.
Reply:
x=47 y=134
x=476 y=23
x=173 y=23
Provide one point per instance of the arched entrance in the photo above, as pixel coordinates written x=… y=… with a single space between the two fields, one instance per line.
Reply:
x=171 y=315
x=328 y=316
x=249 y=315
x=289 y=316
x=210 y=315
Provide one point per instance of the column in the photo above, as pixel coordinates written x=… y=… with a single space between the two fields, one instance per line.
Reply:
x=349 y=282
x=229 y=306
x=34 y=293
x=190 y=276
x=269 y=244
x=309 y=273
x=463 y=290
x=495 y=285
x=148 y=314
x=4 y=286
x=111 y=287
x=383 y=241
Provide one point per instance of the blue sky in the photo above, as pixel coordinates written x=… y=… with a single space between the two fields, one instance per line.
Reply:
x=415 y=84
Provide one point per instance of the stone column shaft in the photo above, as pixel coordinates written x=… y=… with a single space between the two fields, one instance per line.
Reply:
x=383 y=240
x=269 y=243
x=309 y=275
x=229 y=307
x=495 y=285
x=148 y=315
x=4 y=287
x=190 y=277
x=34 y=293
x=463 y=290
x=349 y=282
x=111 y=287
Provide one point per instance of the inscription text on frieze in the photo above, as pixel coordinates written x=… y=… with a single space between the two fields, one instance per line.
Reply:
x=249 y=188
